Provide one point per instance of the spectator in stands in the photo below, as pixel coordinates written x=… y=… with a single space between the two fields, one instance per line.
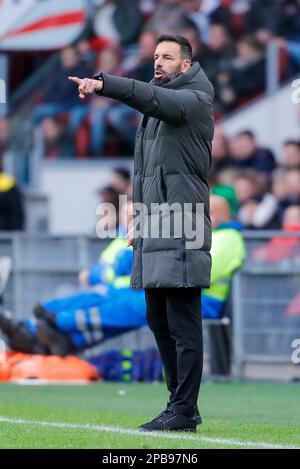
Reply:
x=291 y=195
x=55 y=140
x=291 y=154
x=238 y=7
x=203 y=13
x=227 y=251
x=140 y=67
x=228 y=176
x=278 y=27
x=119 y=21
x=97 y=109
x=282 y=248
x=258 y=208
x=290 y=34
x=198 y=47
x=124 y=121
x=278 y=187
x=86 y=53
x=227 y=192
x=220 y=151
x=237 y=70
x=246 y=154
x=209 y=58
x=102 y=113
x=121 y=180
x=168 y=17
x=264 y=15
x=220 y=52
x=58 y=98
x=291 y=218
x=246 y=76
x=290 y=53
x=109 y=195
x=11 y=204
x=290 y=23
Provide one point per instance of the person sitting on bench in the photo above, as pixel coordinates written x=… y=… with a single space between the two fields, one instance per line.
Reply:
x=72 y=324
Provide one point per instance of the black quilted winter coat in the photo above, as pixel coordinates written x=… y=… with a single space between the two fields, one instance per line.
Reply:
x=171 y=164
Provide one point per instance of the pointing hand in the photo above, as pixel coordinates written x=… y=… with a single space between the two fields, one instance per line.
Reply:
x=87 y=85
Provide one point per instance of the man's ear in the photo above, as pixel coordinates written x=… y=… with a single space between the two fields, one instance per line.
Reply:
x=186 y=64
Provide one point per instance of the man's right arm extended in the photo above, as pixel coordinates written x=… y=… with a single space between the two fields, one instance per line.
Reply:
x=175 y=107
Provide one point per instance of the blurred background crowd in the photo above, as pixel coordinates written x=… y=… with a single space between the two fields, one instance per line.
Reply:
x=230 y=39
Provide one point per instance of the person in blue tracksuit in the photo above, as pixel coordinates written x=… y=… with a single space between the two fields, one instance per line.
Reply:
x=105 y=308
x=73 y=323
x=104 y=312
x=110 y=307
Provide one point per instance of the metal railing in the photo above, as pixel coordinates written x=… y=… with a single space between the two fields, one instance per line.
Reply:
x=266 y=300
x=265 y=293
x=44 y=266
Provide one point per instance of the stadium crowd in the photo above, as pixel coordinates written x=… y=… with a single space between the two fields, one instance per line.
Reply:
x=263 y=191
x=229 y=39
x=260 y=187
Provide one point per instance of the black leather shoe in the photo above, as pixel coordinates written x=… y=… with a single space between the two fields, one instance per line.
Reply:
x=22 y=340
x=196 y=416
x=169 y=420
x=57 y=342
x=19 y=338
x=41 y=313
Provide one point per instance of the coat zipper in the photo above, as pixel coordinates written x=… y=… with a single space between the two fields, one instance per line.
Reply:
x=143 y=128
x=184 y=263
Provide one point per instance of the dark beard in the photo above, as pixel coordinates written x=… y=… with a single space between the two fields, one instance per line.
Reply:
x=163 y=80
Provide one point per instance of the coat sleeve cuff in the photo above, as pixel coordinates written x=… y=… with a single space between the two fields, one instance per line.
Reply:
x=99 y=76
x=120 y=88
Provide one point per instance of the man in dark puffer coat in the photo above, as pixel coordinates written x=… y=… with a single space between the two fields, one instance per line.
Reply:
x=171 y=165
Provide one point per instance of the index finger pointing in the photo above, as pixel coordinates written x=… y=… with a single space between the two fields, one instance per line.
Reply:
x=75 y=79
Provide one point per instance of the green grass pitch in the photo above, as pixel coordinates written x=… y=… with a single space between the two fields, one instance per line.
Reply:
x=235 y=415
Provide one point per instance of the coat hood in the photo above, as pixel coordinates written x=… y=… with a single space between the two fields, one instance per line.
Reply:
x=194 y=78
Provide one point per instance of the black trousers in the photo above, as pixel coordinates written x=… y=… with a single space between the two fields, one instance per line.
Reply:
x=174 y=316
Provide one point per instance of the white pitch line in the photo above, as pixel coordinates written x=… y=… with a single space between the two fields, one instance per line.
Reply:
x=165 y=435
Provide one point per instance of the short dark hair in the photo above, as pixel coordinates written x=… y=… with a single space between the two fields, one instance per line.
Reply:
x=123 y=172
x=246 y=133
x=185 y=47
x=295 y=143
x=110 y=195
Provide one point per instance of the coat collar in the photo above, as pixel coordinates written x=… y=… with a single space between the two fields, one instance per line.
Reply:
x=183 y=78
